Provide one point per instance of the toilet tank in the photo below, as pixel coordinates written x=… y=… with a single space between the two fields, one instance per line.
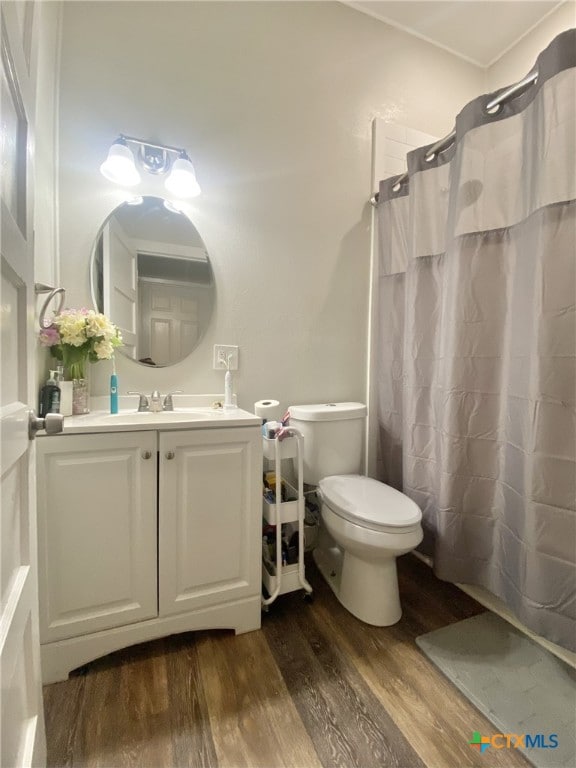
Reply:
x=333 y=438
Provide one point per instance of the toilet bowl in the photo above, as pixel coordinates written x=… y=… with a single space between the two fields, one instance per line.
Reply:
x=372 y=524
x=364 y=524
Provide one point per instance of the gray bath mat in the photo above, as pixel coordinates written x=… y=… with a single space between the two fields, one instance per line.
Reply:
x=520 y=687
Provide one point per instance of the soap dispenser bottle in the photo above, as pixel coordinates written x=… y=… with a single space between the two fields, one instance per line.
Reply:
x=50 y=396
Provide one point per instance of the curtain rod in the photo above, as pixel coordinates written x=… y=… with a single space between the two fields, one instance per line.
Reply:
x=492 y=107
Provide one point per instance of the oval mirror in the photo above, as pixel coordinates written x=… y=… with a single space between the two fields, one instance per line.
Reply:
x=151 y=275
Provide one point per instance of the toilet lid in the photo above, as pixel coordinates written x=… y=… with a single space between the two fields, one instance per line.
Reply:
x=368 y=502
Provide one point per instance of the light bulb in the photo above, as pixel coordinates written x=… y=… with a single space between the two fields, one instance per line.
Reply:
x=119 y=166
x=182 y=179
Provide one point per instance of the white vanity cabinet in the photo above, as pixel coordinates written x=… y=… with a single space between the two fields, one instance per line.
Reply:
x=143 y=534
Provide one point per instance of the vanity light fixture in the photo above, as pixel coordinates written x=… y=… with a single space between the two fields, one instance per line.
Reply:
x=157 y=159
x=119 y=166
x=182 y=179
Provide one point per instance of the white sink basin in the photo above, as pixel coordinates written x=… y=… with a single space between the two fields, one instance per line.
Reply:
x=190 y=416
x=182 y=414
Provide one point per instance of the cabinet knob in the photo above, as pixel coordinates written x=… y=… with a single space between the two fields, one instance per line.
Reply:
x=146 y=454
x=169 y=455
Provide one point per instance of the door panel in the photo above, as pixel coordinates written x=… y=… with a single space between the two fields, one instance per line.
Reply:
x=21 y=720
x=97 y=532
x=9 y=377
x=14 y=542
x=171 y=316
x=209 y=534
x=13 y=140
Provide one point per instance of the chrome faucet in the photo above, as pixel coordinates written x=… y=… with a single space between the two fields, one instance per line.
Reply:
x=143 y=404
x=168 y=402
x=155 y=402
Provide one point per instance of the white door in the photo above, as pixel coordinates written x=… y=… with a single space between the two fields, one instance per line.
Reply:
x=120 y=282
x=22 y=721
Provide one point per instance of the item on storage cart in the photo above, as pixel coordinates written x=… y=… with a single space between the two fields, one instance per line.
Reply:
x=283 y=565
x=268 y=410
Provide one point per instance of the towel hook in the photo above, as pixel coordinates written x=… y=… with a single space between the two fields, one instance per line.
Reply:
x=52 y=293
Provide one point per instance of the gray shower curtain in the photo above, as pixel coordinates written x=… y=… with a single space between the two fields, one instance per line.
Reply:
x=476 y=346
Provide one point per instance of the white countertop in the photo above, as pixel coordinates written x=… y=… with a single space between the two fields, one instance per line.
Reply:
x=190 y=412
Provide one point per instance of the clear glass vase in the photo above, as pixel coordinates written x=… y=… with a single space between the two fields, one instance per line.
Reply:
x=80 y=402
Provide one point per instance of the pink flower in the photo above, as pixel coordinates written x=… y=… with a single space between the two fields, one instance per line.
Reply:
x=82 y=311
x=49 y=336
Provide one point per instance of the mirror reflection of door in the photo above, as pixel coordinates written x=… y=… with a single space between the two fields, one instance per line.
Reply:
x=119 y=284
x=152 y=276
x=174 y=305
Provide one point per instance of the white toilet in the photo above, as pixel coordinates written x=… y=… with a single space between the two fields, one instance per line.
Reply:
x=365 y=524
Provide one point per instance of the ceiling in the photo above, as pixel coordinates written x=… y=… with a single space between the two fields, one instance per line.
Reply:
x=480 y=31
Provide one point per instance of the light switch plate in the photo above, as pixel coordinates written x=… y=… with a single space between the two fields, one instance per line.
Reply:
x=222 y=353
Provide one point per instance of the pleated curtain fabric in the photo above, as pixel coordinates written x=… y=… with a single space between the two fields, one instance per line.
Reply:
x=476 y=368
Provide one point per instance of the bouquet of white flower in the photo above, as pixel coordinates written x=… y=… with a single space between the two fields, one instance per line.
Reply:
x=79 y=335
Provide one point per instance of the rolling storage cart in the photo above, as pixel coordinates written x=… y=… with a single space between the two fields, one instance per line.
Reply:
x=287 y=578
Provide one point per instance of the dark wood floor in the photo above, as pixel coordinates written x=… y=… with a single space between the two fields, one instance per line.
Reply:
x=314 y=688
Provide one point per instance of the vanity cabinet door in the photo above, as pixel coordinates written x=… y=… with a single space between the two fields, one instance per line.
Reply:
x=209 y=523
x=97 y=539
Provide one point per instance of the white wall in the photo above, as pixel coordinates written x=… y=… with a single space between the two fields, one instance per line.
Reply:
x=390 y=144
x=45 y=149
x=46 y=263
x=520 y=59
x=274 y=102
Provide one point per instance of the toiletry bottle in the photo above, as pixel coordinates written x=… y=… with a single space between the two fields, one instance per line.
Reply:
x=50 y=396
x=228 y=397
x=113 y=389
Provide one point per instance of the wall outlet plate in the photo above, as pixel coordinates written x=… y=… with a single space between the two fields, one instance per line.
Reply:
x=222 y=353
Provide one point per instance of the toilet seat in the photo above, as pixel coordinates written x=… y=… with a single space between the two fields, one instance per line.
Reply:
x=369 y=503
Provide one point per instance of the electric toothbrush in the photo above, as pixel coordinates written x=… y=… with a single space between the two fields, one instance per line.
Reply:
x=113 y=388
